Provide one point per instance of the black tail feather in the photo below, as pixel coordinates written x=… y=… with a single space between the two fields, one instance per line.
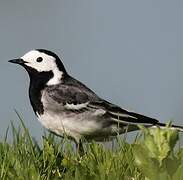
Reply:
x=172 y=126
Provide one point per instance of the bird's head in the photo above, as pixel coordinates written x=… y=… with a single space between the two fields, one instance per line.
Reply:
x=41 y=61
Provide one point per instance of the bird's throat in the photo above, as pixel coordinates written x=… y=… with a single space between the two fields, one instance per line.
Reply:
x=38 y=81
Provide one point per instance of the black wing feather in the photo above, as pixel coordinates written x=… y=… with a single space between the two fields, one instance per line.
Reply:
x=122 y=115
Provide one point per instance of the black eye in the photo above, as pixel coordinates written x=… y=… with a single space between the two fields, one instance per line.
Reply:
x=39 y=59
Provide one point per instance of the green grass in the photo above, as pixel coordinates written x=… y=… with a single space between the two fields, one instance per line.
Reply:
x=151 y=156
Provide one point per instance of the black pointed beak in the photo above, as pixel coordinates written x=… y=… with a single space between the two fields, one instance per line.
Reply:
x=17 y=61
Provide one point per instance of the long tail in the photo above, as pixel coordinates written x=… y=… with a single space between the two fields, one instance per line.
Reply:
x=172 y=126
x=125 y=117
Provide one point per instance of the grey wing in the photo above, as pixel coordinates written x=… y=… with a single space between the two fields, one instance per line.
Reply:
x=68 y=94
x=75 y=96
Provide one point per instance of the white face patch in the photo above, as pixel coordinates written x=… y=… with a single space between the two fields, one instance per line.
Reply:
x=47 y=64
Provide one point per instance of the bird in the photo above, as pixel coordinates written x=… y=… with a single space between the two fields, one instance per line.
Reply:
x=66 y=106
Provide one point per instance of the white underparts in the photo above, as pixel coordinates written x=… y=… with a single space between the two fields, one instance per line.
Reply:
x=71 y=125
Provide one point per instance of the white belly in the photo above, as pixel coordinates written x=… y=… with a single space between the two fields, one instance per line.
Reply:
x=71 y=125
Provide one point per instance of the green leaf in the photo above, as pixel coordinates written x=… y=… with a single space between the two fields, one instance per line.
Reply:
x=149 y=166
x=179 y=173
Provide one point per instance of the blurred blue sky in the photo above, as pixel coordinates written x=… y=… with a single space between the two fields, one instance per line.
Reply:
x=129 y=52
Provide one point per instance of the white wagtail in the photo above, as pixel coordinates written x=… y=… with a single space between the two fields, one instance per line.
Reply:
x=64 y=105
